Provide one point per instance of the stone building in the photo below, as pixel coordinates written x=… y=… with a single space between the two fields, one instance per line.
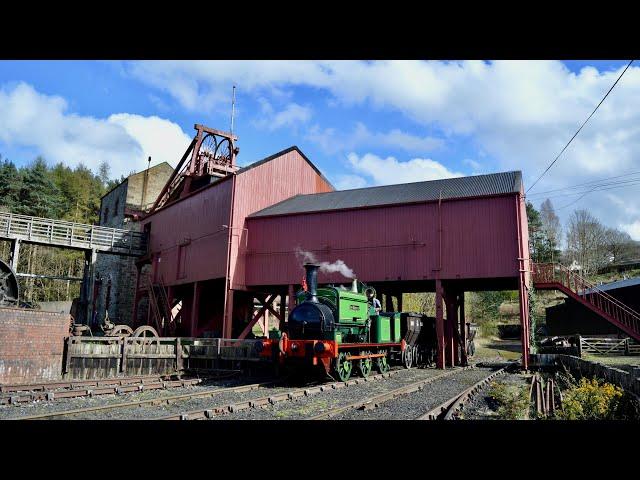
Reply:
x=123 y=207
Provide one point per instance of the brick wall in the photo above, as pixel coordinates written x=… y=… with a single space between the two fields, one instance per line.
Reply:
x=31 y=345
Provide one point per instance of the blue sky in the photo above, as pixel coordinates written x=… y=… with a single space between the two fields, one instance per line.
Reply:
x=362 y=123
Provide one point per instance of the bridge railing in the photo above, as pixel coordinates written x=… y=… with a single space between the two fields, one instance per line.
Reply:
x=554 y=273
x=63 y=233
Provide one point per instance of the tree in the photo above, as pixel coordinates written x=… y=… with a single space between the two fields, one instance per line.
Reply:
x=551 y=226
x=103 y=173
x=10 y=183
x=38 y=195
x=540 y=246
x=586 y=241
x=620 y=245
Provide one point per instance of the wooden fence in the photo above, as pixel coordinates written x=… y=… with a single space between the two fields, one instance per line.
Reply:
x=607 y=346
x=108 y=357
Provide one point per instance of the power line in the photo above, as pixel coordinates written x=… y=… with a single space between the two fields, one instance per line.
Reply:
x=590 y=183
x=589 y=188
x=583 y=124
x=598 y=190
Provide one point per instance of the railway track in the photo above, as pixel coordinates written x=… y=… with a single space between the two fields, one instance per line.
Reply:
x=376 y=400
x=450 y=409
x=56 y=391
x=148 y=402
x=267 y=400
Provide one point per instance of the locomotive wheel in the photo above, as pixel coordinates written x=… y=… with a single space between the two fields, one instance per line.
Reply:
x=365 y=365
x=408 y=357
x=382 y=364
x=343 y=367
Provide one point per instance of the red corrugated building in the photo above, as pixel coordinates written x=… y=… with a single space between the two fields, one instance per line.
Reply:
x=221 y=246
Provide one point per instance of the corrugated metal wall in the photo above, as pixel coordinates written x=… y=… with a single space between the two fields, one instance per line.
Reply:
x=479 y=240
x=187 y=238
x=262 y=186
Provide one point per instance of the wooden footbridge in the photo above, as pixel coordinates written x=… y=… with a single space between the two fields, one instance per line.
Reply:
x=91 y=239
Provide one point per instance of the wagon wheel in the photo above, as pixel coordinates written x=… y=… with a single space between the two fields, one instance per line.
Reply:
x=343 y=367
x=145 y=335
x=382 y=365
x=121 y=331
x=407 y=357
x=365 y=365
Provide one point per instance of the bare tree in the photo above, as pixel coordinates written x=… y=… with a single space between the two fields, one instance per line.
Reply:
x=619 y=244
x=586 y=241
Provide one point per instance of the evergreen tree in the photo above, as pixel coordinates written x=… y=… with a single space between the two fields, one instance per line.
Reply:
x=10 y=182
x=39 y=196
x=541 y=246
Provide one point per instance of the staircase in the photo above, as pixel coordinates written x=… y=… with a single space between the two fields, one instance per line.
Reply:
x=553 y=276
x=160 y=306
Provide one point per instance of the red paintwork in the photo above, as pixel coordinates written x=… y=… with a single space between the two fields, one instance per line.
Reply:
x=390 y=243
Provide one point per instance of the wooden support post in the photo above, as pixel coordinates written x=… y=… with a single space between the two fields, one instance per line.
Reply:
x=195 y=304
x=439 y=325
x=88 y=286
x=283 y=310
x=388 y=303
x=449 y=340
x=228 y=315
x=464 y=361
x=291 y=300
x=15 y=255
x=399 y=297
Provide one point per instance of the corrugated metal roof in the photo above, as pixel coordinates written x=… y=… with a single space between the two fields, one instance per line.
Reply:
x=629 y=282
x=459 y=187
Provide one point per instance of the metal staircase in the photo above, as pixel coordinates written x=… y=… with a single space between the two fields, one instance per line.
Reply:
x=553 y=276
x=161 y=309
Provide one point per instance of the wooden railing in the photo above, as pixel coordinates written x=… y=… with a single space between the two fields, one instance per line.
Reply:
x=49 y=231
x=553 y=275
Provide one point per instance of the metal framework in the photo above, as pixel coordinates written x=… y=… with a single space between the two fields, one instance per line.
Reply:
x=213 y=154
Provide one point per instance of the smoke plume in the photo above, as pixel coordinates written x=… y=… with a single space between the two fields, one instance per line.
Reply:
x=338 y=266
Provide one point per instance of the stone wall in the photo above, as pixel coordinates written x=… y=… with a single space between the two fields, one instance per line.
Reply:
x=31 y=345
x=585 y=368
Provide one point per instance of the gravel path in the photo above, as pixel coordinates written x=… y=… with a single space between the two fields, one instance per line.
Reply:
x=483 y=407
x=37 y=408
x=411 y=406
x=305 y=407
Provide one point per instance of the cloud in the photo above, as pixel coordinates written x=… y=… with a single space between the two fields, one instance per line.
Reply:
x=31 y=119
x=516 y=114
x=348 y=182
x=386 y=171
x=632 y=229
x=293 y=115
x=332 y=141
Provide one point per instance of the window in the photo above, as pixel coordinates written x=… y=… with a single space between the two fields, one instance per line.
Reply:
x=106 y=215
x=115 y=211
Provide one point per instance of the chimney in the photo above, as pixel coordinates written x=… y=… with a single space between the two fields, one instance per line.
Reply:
x=354 y=286
x=311 y=270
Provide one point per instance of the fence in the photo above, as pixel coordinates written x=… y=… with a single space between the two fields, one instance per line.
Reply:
x=49 y=231
x=607 y=346
x=107 y=357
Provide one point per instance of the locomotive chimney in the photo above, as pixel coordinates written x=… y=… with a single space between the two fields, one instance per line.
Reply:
x=311 y=270
x=354 y=286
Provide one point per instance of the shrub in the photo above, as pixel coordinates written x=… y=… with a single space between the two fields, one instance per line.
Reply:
x=512 y=400
x=591 y=400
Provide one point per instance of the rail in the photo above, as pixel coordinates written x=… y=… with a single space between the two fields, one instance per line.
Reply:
x=553 y=275
x=49 y=231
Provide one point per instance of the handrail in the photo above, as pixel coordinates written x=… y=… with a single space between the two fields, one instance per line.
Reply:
x=62 y=232
x=608 y=305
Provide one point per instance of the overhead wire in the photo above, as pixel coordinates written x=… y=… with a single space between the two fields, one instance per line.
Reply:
x=581 y=126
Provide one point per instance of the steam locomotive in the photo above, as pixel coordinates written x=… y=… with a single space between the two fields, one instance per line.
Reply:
x=337 y=330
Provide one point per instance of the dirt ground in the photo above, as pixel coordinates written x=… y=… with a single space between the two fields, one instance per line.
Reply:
x=496 y=349
x=624 y=362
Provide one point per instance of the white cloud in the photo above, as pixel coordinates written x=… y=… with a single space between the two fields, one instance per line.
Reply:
x=293 y=115
x=518 y=113
x=386 y=171
x=348 y=182
x=632 y=229
x=476 y=166
x=333 y=142
x=31 y=119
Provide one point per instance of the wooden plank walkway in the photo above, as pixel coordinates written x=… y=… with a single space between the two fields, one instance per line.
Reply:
x=49 y=231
